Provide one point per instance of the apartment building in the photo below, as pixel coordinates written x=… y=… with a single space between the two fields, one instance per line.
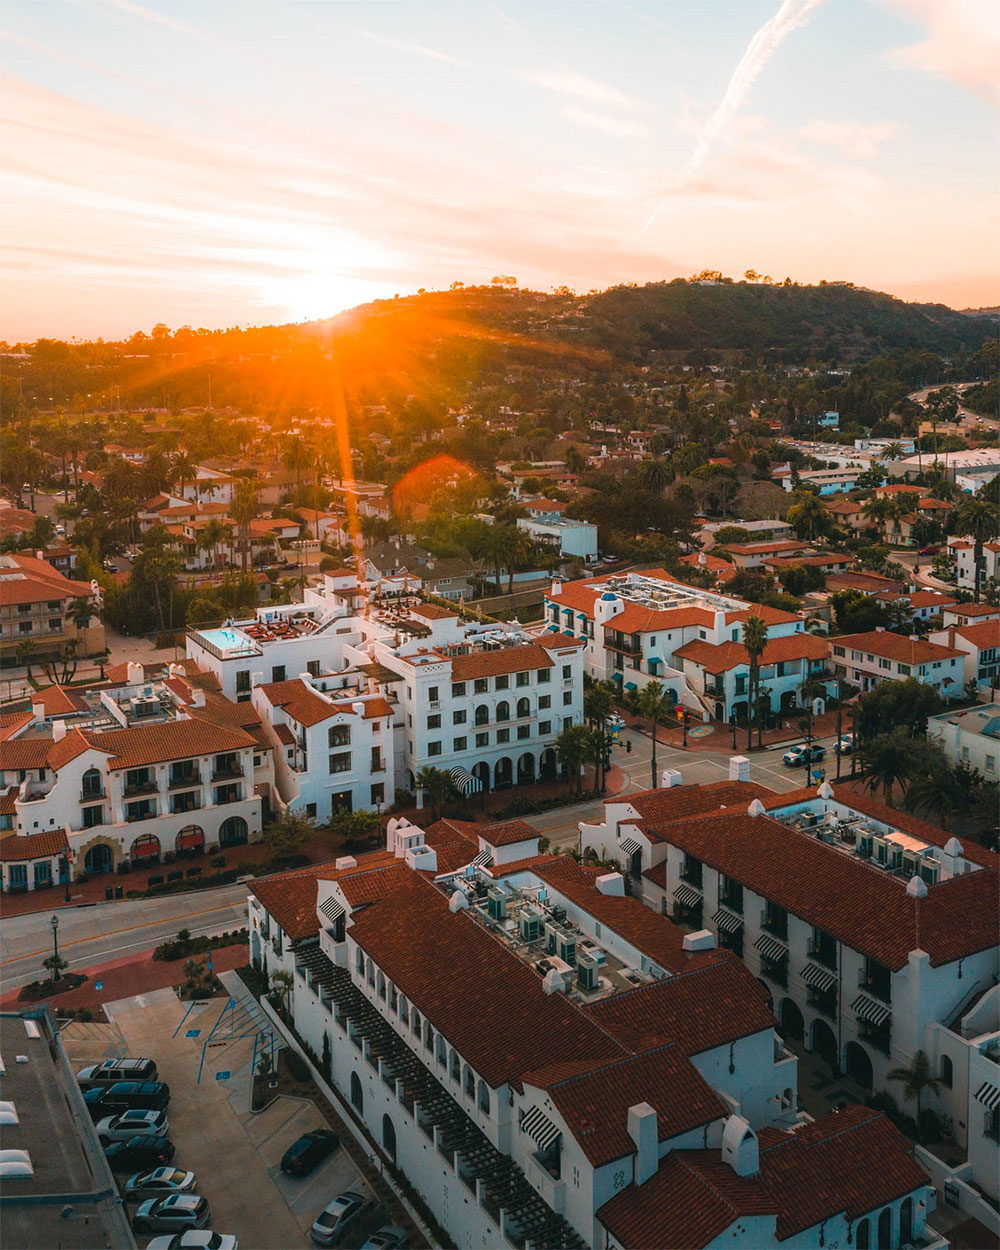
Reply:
x=137 y=773
x=871 y=930
x=980 y=645
x=970 y=736
x=548 y=1062
x=868 y=659
x=38 y=605
x=964 y=555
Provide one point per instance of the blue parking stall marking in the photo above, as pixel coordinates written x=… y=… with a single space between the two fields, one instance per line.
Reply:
x=224 y=1075
x=98 y=986
x=193 y=1033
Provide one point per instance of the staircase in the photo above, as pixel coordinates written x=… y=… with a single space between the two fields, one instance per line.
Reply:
x=527 y=1220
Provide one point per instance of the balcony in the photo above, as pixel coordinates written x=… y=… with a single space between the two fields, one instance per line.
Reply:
x=823 y=954
x=92 y=796
x=776 y=971
x=139 y=787
x=875 y=986
x=187 y=780
x=227 y=772
x=776 y=924
x=734 y=902
x=825 y=1002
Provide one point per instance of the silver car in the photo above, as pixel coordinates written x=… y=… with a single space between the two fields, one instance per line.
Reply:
x=388 y=1237
x=173 y=1214
x=159 y=1183
x=128 y=1123
x=336 y=1216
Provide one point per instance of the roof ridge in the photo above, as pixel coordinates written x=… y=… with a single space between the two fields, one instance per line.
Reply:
x=629 y=1055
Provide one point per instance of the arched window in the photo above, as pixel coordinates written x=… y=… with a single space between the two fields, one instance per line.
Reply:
x=484 y=1097
x=360 y=962
x=503 y=710
x=428 y=1035
x=393 y=999
x=381 y=985
x=906 y=1222
x=470 y=1082
x=456 y=1066
x=389 y=1137
x=404 y=1008
x=93 y=786
x=234 y=832
x=523 y=708
x=415 y=1022
x=863 y=1236
x=441 y=1051
x=885 y=1228
x=371 y=973
x=357 y=1094
x=482 y=714
x=947 y=1071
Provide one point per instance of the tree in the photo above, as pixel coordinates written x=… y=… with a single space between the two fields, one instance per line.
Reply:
x=437 y=786
x=809 y=517
x=55 y=964
x=889 y=762
x=856 y=612
x=24 y=652
x=213 y=536
x=916 y=1079
x=977 y=519
x=285 y=836
x=654 y=474
x=573 y=750
x=184 y=469
x=754 y=642
x=879 y=510
x=244 y=509
x=892 y=705
x=283 y=983
x=655 y=706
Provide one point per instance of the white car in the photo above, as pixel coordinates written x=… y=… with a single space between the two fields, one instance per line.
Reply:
x=336 y=1216
x=195 y=1239
x=159 y=1183
x=129 y=1123
x=844 y=744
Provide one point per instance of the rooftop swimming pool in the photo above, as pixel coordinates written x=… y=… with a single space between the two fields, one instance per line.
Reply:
x=226 y=641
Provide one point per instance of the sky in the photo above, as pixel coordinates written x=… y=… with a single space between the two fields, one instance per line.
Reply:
x=247 y=162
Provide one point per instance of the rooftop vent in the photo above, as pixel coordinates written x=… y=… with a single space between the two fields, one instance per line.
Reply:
x=8 y=1113
x=15 y=1164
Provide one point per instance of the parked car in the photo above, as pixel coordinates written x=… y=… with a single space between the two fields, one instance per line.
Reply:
x=142 y=1151
x=195 y=1239
x=388 y=1237
x=113 y=1070
x=799 y=755
x=844 y=744
x=932 y=550
x=129 y=1123
x=173 y=1214
x=303 y=1155
x=159 y=1183
x=123 y=1095
x=336 y=1216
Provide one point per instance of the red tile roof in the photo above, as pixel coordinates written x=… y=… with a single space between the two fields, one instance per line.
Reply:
x=299 y=700
x=772 y=547
x=433 y=612
x=985 y=634
x=15 y=848
x=507 y=660
x=67 y=749
x=660 y=806
x=892 y=646
x=26 y=753
x=707 y=1006
x=972 y=610
x=368 y=884
x=8 y=800
x=290 y=899
x=60 y=702
x=728 y=655
x=11 y=722
x=174 y=740
x=805 y=1177
x=852 y=901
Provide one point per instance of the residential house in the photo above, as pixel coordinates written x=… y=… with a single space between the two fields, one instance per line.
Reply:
x=981 y=646
x=970 y=736
x=868 y=659
x=36 y=606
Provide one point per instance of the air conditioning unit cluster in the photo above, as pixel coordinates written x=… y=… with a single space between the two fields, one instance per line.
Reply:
x=588 y=974
x=528 y=924
x=497 y=904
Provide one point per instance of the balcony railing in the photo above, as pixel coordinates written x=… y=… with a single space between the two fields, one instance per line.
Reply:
x=733 y=901
x=92 y=796
x=185 y=781
x=878 y=989
x=227 y=772
x=139 y=787
x=823 y=955
x=778 y=925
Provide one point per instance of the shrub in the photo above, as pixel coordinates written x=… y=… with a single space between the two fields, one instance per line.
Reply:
x=297 y=1067
x=217 y=861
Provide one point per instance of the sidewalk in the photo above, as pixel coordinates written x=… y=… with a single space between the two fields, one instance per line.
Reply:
x=134 y=974
x=717 y=736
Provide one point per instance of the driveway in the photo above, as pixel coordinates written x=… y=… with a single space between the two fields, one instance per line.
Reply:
x=235 y=1154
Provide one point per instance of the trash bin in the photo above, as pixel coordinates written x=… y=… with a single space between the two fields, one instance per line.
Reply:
x=119 y=891
x=109 y=891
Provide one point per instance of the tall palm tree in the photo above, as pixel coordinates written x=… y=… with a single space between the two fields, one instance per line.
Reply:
x=24 y=651
x=437 y=786
x=916 y=1079
x=296 y=457
x=754 y=642
x=244 y=509
x=655 y=706
x=184 y=468
x=878 y=510
x=212 y=537
x=654 y=474
x=573 y=750
x=809 y=518
x=976 y=519
x=888 y=760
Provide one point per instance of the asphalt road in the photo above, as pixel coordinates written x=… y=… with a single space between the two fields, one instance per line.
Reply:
x=97 y=934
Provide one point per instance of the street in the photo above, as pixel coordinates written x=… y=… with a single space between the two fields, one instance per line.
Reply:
x=96 y=934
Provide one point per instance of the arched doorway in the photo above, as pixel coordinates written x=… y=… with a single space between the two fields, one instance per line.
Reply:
x=190 y=840
x=389 y=1138
x=740 y=712
x=884 y=1239
x=503 y=773
x=234 y=831
x=906 y=1222
x=481 y=772
x=787 y=700
x=824 y=1042
x=790 y=1018
x=523 y=708
x=526 y=769
x=357 y=1094
x=98 y=859
x=863 y=1235
x=145 y=849
x=858 y=1066
x=547 y=764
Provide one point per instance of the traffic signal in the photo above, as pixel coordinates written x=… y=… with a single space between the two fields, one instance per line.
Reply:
x=628 y=746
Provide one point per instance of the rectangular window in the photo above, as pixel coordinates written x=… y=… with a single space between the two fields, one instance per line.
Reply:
x=544 y=701
x=311 y=810
x=378 y=794
x=243 y=681
x=434 y=722
x=434 y=748
x=278 y=672
x=186 y=802
x=227 y=794
x=93 y=816
x=377 y=762
x=341 y=762
x=991 y=763
x=312 y=668
x=544 y=675
x=523 y=679
x=503 y=735
x=567 y=698
x=544 y=727
x=523 y=731
x=459 y=717
x=839 y=650
x=502 y=682
x=55 y=623
x=567 y=671
x=339 y=736
x=432 y=693
x=567 y=722
x=482 y=740
x=24 y=627
x=458 y=689
x=460 y=744
x=904 y=669
x=481 y=685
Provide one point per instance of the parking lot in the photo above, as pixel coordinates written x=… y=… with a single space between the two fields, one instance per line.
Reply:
x=235 y=1154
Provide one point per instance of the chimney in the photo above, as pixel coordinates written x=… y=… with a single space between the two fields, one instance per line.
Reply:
x=556 y=590
x=552 y=982
x=669 y=778
x=739 y=768
x=699 y=940
x=642 y=1128
x=134 y=673
x=38 y=713
x=756 y=808
x=611 y=883
x=880 y=629
x=197 y=697
x=739 y=1147
x=58 y=730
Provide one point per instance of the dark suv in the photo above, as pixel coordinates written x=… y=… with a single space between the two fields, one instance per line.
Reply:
x=113 y=1070
x=303 y=1155
x=139 y=1153
x=126 y=1096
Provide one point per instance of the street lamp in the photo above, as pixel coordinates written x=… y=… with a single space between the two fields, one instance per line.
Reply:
x=54 y=922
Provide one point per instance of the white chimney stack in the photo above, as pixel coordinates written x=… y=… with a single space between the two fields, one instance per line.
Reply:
x=610 y=883
x=700 y=940
x=58 y=730
x=134 y=673
x=739 y=1147
x=643 y=1129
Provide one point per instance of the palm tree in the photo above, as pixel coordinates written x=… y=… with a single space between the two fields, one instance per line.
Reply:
x=889 y=762
x=244 y=509
x=654 y=474
x=754 y=642
x=437 y=786
x=976 y=519
x=184 y=468
x=24 y=650
x=499 y=548
x=296 y=457
x=809 y=517
x=655 y=707
x=212 y=537
x=878 y=510
x=573 y=749
x=916 y=1079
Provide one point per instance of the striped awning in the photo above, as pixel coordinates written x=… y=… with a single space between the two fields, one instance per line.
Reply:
x=629 y=846
x=331 y=909
x=464 y=782
x=482 y=859
x=727 y=921
x=770 y=947
x=989 y=1095
x=539 y=1128
x=870 y=1010
x=818 y=977
x=687 y=895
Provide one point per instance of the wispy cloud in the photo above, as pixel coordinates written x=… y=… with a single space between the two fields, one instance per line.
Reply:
x=412 y=49
x=765 y=42
x=857 y=141
x=605 y=123
x=962 y=44
x=566 y=82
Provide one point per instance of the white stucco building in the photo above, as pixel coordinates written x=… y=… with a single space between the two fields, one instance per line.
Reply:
x=970 y=736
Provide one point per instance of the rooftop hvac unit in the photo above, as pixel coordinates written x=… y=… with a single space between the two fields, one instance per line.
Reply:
x=880 y=849
x=809 y=819
x=567 y=949
x=895 y=857
x=558 y=913
x=864 y=845
x=497 y=904
x=930 y=870
x=588 y=973
x=528 y=924
x=145 y=707
x=911 y=863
